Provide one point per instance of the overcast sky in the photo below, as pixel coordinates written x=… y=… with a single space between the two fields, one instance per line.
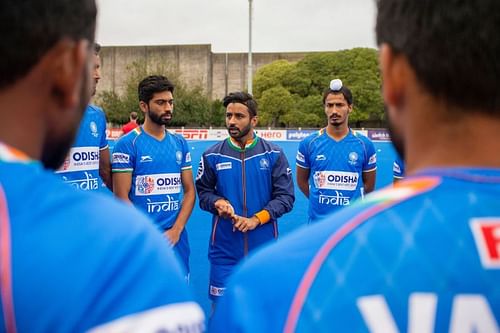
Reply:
x=278 y=25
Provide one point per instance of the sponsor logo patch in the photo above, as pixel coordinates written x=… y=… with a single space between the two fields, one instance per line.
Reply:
x=216 y=291
x=486 y=233
x=224 y=166
x=163 y=183
x=336 y=180
x=121 y=158
x=81 y=159
x=146 y=158
x=320 y=158
x=300 y=157
x=372 y=159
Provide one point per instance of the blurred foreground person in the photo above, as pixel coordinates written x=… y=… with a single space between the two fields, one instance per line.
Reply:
x=71 y=261
x=422 y=256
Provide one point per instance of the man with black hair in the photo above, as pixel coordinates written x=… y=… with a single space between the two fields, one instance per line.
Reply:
x=71 y=261
x=246 y=183
x=424 y=255
x=152 y=167
x=88 y=166
x=335 y=165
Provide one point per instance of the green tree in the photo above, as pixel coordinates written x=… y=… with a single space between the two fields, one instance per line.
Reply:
x=191 y=108
x=274 y=104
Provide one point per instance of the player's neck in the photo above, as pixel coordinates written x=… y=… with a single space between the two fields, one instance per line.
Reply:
x=153 y=129
x=470 y=140
x=337 y=132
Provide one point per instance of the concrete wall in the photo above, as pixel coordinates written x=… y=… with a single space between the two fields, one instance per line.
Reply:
x=217 y=73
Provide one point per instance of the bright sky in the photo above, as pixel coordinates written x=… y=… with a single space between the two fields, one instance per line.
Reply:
x=278 y=25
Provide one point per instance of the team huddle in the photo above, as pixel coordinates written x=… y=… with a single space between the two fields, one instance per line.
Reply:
x=421 y=256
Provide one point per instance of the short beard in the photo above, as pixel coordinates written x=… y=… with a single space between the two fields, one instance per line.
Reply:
x=397 y=140
x=55 y=149
x=158 y=119
x=241 y=133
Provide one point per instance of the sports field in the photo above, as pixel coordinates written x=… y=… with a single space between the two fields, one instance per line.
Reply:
x=200 y=221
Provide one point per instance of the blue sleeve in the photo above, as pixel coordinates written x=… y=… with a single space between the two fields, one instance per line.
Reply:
x=398 y=168
x=371 y=160
x=102 y=119
x=186 y=155
x=302 y=158
x=206 y=181
x=123 y=157
x=283 y=191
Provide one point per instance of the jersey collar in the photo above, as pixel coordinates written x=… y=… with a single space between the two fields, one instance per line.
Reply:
x=249 y=144
x=11 y=154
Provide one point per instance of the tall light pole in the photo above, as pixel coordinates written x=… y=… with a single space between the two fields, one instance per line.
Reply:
x=250 y=46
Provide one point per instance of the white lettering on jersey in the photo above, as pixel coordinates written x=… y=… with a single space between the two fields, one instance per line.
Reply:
x=336 y=180
x=168 y=205
x=470 y=314
x=179 y=317
x=188 y=157
x=122 y=158
x=334 y=200
x=486 y=233
x=161 y=183
x=81 y=159
x=201 y=169
x=224 y=166
x=88 y=183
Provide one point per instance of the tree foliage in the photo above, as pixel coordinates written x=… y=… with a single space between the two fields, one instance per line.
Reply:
x=289 y=94
x=191 y=108
x=306 y=80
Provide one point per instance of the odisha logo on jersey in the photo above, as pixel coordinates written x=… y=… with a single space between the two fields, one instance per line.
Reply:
x=353 y=158
x=145 y=184
x=178 y=157
x=319 y=179
x=66 y=164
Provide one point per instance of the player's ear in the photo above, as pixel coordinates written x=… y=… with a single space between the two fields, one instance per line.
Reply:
x=255 y=121
x=69 y=66
x=392 y=67
x=143 y=106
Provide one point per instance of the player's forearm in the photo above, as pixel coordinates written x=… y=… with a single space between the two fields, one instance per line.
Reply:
x=187 y=206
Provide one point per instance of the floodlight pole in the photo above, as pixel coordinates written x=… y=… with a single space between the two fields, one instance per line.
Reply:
x=250 y=46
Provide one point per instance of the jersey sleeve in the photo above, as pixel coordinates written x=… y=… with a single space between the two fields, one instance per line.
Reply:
x=186 y=155
x=283 y=195
x=123 y=157
x=398 y=168
x=370 y=163
x=206 y=181
x=103 y=144
x=302 y=158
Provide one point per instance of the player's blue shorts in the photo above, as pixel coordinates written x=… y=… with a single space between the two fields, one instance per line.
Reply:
x=218 y=278
x=182 y=251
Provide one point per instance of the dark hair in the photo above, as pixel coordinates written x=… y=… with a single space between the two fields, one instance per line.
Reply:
x=452 y=45
x=153 y=84
x=344 y=91
x=133 y=115
x=29 y=28
x=242 y=98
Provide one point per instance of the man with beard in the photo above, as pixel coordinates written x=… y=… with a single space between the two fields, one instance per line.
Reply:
x=87 y=166
x=152 y=167
x=335 y=165
x=245 y=182
x=71 y=261
x=424 y=255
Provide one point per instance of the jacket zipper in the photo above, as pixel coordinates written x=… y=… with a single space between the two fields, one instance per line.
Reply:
x=244 y=181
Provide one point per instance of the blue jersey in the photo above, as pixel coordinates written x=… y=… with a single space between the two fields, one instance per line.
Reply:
x=81 y=166
x=335 y=169
x=73 y=261
x=156 y=168
x=398 y=168
x=423 y=256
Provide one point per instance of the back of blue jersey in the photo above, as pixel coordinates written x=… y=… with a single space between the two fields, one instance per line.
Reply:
x=421 y=257
x=80 y=260
x=156 y=167
x=81 y=166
